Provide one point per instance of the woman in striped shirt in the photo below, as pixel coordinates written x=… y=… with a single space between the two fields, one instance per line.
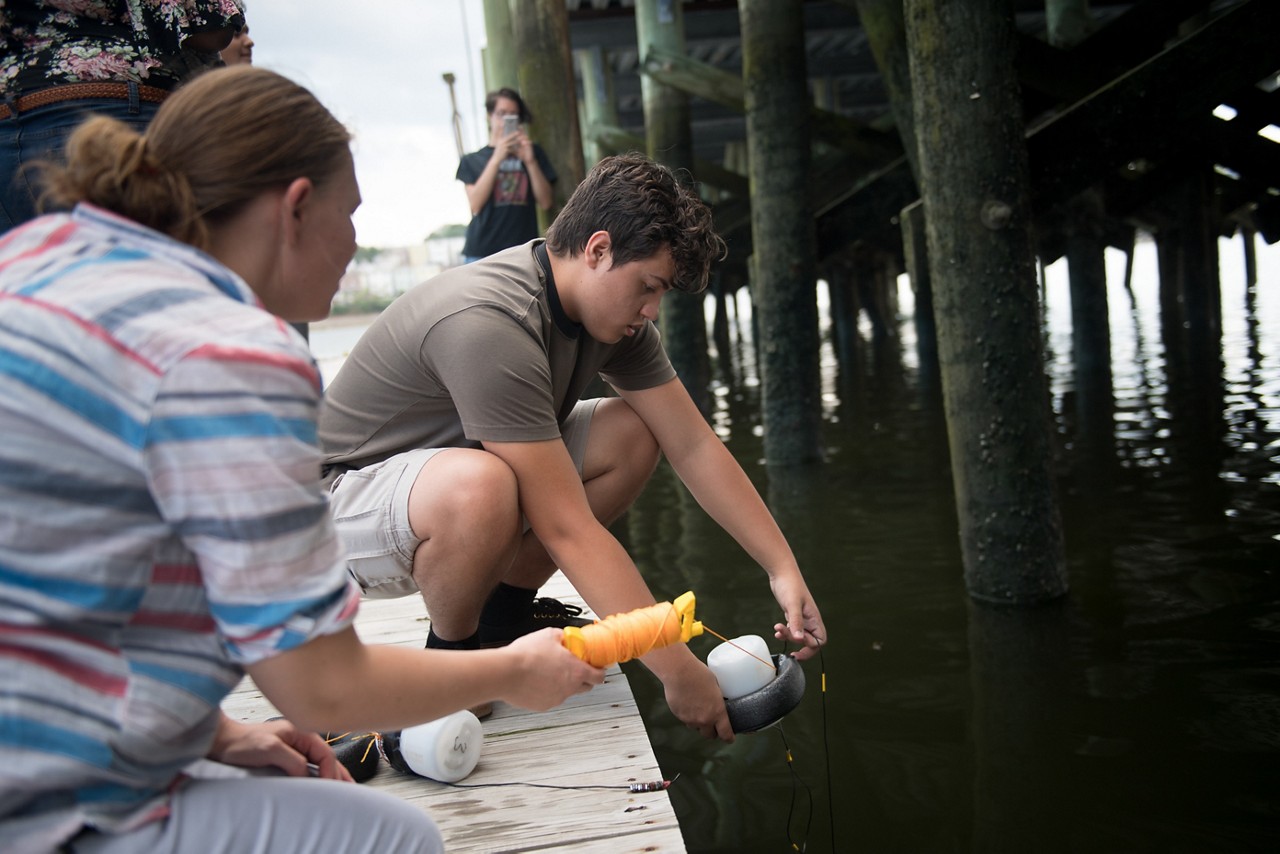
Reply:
x=162 y=526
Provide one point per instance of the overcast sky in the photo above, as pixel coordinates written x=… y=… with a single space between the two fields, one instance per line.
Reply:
x=379 y=66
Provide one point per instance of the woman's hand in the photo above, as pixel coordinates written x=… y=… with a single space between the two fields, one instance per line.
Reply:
x=548 y=674
x=276 y=744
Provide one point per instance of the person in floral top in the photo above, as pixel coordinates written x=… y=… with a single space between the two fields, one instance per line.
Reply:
x=55 y=54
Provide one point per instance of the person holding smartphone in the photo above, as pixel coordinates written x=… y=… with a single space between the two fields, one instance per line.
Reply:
x=506 y=181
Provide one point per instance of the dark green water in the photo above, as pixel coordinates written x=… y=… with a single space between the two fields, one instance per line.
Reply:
x=1140 y=714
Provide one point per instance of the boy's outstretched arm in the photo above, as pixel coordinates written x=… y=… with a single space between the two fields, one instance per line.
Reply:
x=554 y=500
x=723 y=489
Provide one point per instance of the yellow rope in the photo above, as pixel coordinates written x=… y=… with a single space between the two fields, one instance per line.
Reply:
x=622 y=637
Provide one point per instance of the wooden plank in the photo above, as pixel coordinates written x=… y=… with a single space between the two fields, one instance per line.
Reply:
x=595 y=739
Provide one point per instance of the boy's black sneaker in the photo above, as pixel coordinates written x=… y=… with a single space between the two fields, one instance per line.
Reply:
x=543 y=613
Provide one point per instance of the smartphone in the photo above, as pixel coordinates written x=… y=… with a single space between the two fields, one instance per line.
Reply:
x=510 y=124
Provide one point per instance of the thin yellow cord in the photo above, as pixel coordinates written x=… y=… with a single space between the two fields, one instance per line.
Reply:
x=768 y=664
x=373 y=739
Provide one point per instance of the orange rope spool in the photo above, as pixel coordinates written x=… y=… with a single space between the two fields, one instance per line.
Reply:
x=622 y=637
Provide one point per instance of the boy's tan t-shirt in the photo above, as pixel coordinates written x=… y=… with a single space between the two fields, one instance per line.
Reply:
x=481 y=352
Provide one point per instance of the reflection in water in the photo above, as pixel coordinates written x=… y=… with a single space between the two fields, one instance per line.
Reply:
x=1140 y=714
x=1017 y=658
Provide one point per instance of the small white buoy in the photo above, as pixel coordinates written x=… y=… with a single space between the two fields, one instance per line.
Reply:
x=742 y=666
x=446 y=749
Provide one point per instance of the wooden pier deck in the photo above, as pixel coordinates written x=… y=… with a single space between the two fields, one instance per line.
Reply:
x=594 y=739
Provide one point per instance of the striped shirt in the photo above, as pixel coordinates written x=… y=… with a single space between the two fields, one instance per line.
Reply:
x=161 y=518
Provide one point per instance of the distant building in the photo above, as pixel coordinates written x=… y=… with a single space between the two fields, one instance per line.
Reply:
x=379 y=275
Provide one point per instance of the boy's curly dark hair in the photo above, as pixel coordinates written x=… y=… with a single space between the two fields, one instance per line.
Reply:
x=644 y=208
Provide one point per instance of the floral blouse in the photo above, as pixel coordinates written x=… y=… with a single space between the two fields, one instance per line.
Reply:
x=47 y=43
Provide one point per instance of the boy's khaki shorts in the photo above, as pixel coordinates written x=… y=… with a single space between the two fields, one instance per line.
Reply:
x=370 y=508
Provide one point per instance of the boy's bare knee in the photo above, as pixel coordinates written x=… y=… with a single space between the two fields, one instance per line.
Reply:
x=642 y=451
x=628 y=439
x=482 y=487
x=465 y=489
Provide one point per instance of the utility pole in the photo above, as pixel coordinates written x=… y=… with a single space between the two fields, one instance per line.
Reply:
x=457 y=117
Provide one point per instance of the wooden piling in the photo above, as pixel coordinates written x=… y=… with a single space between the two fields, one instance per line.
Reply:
x=669 y=137
x=1090 y=324
x=546 y=82
x=599 y=109
x=883 y=23
x=1250 y=238
x=722 y=289
x=777 y=102
x=917 y=256
x=1198 y=247
x=842 y=295
x=500 y=68
x=1069 y=23
x=974 y=173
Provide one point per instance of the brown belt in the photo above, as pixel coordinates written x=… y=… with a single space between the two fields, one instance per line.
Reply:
x=81 y=92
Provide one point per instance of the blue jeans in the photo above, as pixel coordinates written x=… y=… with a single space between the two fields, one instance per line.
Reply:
x=41 y=134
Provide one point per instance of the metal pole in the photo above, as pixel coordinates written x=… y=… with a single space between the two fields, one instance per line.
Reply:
x=457 y=117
